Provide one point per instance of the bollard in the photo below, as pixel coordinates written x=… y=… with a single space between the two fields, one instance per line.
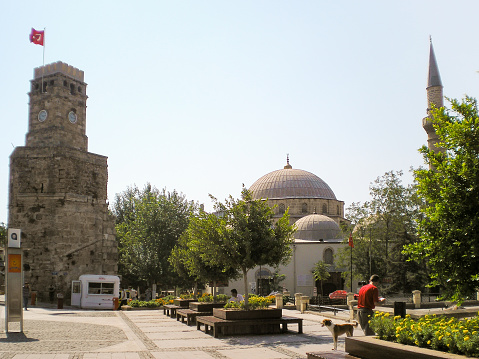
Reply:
x=279 y=301
x=304 y=303
x=349 y=297
x=352 y=304
x=60 y=301
x=297 y=300
x=416 y=298
x=115 y=303
x=400 y=309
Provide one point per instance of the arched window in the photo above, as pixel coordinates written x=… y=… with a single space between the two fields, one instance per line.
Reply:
x=325 y=209
x=281 y=208
x=304 y=208
x=328 y=257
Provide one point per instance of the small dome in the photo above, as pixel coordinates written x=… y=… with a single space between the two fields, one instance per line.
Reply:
x=317 y=227
x=290 y=183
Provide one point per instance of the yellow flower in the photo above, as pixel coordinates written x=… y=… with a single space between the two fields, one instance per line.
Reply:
x=440 y=337
x=466 y=338
x=409 y=315
x=386 y=314
x=398 y=329
x=465 y=331
x=428 y=342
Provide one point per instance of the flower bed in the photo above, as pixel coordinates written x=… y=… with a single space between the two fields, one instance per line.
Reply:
x=209 y=298
x=434 y=332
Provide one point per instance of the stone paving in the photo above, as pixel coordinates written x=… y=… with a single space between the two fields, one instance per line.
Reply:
x=50 y=333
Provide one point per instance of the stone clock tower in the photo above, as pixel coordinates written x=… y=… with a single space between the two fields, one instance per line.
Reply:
x=58 y=190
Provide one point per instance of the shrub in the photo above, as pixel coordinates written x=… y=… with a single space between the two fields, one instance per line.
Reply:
x=431 y=331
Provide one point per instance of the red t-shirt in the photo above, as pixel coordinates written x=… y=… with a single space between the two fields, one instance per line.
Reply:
x=368 y=295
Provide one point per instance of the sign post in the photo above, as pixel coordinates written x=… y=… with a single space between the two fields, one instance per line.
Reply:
x=13 y=279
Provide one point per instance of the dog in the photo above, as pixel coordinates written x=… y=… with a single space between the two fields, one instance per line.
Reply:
x=338 y=329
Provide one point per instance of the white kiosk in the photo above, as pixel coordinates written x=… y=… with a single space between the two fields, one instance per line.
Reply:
x=95 y=291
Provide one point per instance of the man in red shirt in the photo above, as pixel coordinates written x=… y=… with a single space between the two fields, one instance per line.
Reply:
x=368 y=298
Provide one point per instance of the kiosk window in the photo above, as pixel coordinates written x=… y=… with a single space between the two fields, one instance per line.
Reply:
x=100 y=288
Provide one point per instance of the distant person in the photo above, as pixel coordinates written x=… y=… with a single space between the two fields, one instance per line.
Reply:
x=235 y=297
x=26 y=295
x=125 y=295
x=368 y=298
x=148 y=294
x=51 y=292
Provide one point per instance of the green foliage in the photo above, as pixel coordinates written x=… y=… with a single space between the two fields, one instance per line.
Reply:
x=3 y=234
x=189 y=257
x=208 y=298
x=321 y=272
x=144 y=304
x=449 y=231
x=255 y=302
x=241 y=238
x=148 y=225
x=431 y=331
x=381 y=228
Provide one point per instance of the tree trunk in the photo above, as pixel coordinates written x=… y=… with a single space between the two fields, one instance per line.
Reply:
x=246 y=295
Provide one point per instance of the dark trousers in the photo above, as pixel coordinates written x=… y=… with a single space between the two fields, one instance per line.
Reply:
x=25 y=302
x=364 y=315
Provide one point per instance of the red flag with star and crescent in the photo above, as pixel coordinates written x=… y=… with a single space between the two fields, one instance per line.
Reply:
x=351 y=244
x=37 y=36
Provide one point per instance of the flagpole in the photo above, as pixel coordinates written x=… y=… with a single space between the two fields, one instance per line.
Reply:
x=43 y=66
x=351 y=269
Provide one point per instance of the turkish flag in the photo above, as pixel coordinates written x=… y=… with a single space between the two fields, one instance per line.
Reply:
x=351 y=244
x=37 y=37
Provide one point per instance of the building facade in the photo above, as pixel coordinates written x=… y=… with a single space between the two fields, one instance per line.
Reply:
x=58 y=190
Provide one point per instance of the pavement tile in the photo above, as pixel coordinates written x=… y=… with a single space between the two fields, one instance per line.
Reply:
x=177 y=335
x=252 y=353
x=194 y=354
x=192 y=343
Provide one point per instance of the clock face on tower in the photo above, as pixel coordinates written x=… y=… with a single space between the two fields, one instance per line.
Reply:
x=42 y=115
x=72 y=117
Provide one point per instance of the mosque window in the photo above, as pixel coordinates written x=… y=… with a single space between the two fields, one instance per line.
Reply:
x=325 y=208
x=328 y=256
x=304 y=208
x=281 y=208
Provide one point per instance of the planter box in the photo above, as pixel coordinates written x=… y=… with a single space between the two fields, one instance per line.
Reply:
x=370 y=347
x=205 y=306
x=182 y=302
x=229 y=314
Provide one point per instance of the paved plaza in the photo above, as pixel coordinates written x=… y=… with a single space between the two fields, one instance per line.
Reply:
x=51 y=333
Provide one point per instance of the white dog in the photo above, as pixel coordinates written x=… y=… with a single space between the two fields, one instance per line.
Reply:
x=338 y=329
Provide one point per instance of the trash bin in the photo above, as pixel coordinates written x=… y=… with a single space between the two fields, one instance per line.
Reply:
x=60 y=301
x=115 y=303
x=400 y=309
x=34 y=298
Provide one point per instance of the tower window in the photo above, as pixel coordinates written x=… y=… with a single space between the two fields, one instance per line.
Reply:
x=337 y=210
x=281 y=208
x=79 y=89
x=72 y=89
x=325 y=209
x=52 y=83
x=65 y=84
x=44 y=87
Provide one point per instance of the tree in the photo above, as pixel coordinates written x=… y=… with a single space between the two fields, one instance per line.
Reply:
x=245 y=235
x=149 y=223
x=189 y=258
x=321 y=272
x=449 y=231
x=381 y=228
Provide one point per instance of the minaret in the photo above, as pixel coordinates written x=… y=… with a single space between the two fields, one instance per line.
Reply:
x=434 y=97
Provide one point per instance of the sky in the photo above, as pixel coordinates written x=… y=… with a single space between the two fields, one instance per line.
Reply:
x=202 y=97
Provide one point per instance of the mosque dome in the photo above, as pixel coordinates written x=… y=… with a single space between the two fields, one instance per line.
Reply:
x=315 y=227
x=291 y=183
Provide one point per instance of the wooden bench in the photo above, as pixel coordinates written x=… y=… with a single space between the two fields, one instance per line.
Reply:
x=220 y=326
x=190 y=315
x=171 y=308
